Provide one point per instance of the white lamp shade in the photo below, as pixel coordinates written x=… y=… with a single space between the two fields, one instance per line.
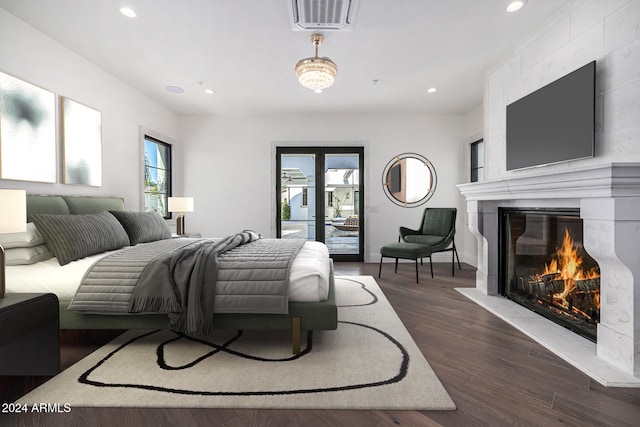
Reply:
x=180 y=204
x=13 y=211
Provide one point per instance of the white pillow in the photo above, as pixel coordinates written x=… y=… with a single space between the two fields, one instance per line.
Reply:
x=24 y=256
x=27 y=239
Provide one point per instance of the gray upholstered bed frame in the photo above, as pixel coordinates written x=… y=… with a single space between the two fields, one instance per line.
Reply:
x=302 y=316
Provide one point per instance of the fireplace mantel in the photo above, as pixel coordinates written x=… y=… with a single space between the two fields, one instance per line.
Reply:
x=608 y=197
x=613 y=180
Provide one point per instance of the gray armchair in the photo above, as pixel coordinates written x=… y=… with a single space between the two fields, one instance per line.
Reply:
x=437 y=230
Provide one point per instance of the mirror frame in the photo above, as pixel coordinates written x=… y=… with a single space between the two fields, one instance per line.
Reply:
x=386 y=185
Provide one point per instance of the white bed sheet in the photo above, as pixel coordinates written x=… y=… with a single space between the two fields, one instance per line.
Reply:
x=308 y=278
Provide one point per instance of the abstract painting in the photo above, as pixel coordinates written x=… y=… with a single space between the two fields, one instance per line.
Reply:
x=27 y=131
x=82 y=143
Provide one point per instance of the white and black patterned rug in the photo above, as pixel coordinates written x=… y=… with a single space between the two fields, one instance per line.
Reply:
x=369 y=362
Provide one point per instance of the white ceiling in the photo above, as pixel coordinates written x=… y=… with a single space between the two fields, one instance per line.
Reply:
x=245 y=50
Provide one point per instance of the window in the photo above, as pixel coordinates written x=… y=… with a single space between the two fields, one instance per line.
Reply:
x=477 y=161
x=157 y=176
x=330 y=199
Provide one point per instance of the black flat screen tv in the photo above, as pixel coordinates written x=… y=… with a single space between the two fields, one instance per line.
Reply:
x=555 y=123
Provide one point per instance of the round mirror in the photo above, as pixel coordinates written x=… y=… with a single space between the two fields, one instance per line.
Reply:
x=409 y=180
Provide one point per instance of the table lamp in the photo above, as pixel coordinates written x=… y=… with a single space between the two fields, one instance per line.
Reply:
x=13 y=219
x=180 y=205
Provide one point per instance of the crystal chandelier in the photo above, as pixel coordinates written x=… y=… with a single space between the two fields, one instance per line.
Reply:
x=316 y=73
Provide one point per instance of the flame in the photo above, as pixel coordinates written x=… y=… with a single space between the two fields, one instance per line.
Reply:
x=567 y=266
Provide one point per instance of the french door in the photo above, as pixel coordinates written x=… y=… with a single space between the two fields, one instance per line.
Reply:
x=320 y=196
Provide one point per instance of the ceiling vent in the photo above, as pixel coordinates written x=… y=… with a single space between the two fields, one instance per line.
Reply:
x=313 y=15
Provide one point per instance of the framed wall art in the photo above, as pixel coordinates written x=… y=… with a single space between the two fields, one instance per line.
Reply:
x=81 y=144
x=27 y=131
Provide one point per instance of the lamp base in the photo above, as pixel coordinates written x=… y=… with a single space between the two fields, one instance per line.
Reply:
x=180 y=226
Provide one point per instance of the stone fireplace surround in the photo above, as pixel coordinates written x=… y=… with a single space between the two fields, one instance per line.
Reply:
x=608 y=197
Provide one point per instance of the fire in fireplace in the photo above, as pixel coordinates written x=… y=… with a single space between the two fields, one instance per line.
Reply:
x=545 y=268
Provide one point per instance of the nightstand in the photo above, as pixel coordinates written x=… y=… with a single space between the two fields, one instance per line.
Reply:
x=29 y=334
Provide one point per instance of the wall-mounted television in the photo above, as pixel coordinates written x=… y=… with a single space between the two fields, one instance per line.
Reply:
x=555 y=123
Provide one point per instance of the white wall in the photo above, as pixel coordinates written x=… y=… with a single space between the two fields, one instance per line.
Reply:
x=230 y=173
x=227 y=161
x=585 y=30
x=32 y=56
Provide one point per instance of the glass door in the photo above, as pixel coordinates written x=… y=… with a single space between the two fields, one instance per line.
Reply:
x=297 y=196
x=320 y=197
x=342 y=203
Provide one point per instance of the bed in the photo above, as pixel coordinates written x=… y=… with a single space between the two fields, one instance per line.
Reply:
x=302 y=315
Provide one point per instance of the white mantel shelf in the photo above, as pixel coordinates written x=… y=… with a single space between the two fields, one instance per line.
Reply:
x=613 y=180
x=608 y=199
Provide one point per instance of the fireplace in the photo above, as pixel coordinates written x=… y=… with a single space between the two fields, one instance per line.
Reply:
x=607 y=198
x=544 y=267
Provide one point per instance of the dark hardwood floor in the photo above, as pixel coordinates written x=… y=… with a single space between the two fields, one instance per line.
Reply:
x=495 y=374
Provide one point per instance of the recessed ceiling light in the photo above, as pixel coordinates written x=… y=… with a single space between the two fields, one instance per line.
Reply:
x=516 y=5
x=432 y=89
x=128 y=12
x=209 y=91
x=175 y=89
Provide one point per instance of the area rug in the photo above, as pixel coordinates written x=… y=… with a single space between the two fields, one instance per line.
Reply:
x=369 y=362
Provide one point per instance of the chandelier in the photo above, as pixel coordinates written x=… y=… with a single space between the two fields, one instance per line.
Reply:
x=316 y=73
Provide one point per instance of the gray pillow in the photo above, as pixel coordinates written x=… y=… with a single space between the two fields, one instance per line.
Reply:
x=25 y=256
x=71 y=237
x=143 y=226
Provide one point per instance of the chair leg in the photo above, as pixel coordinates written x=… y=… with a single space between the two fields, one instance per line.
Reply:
x=417 y=281
x=396 y=271
x=454 y=256
x=455 y=251
x=431 y=266
x=380 y=269
x=453 y=264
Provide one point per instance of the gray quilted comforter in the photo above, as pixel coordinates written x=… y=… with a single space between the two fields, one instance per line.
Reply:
x=191 y=279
